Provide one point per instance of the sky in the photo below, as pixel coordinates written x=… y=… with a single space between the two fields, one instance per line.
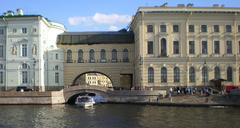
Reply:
x=96 y=15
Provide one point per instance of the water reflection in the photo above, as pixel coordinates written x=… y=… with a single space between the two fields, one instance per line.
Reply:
x=117 y=116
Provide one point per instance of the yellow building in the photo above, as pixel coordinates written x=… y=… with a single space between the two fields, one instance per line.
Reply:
x=165 y=46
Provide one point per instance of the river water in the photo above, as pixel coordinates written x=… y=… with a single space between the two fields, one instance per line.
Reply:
x=117 y=116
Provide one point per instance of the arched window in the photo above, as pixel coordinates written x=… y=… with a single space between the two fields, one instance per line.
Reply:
x=103 y=56
x=25 y=73
x=114 y=55
x=163 y=47
x=91 y=56
x=80 y=56
x=176 y=74
x=125 y=55
x=192 y=74
x=217 y=73
x=150 y=75
x=163 y=75
x=69 y=56
x=229 y=74
x=204 y=74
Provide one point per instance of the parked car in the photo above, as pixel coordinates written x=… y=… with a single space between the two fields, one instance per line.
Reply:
x=23 y=88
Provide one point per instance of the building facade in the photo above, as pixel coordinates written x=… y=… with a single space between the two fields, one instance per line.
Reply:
x=186 y=46
x=28 y=53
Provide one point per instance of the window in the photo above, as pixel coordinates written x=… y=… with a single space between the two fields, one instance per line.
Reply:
x=163 y=47
x=149 y=28
x=238 y=28
x=69 y=56
x=1 y=51
x=14 y=30
x=191 y=28
x=215 y=28
x=24 y=50
x=25 y=73
x=216 y=47
x=150 y=47
x=91 y=56
x=114 y=55
x=175 y=28
x=239 y=47
x=229 y=47
x=125 y=55
x=103 y=56
x=56 y=77
x=217 y=73
x=204 y=47
x=229 y=74
x=56 y=56
x=163 y=28
x=24 y=30
x=228 y=28
x=34 y=30
x=1 y=77
x=176 y=75
x=80 y=56
x=1 y=66
x=175 y=47
x=191 y=47
x=1 y=31
x=192 y=74
x=150 y=75
x=203 y=28
x=163 y=75
x=56 y=67
x=204 y=74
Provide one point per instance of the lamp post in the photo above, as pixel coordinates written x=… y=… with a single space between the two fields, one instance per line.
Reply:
x=34 y=64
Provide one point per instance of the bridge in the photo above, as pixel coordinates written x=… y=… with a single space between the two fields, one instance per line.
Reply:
x=71 y=92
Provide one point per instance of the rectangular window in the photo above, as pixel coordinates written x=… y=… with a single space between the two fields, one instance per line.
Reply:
x=1 y=31
x=204 y=47
x=56 y=77
x=150 y=47
x=216 y=47
x=191 y=28
x=1 y=77
x=1 y=51
x=229 y=47
x=163 y=28
x=175 y=47
x=216 y=28
x=56 y=56
x=149 y=28
x=228 y=28
x=24 y=30
x=175 y=28
x=191 y=47
x=238 y=28
x=24 y=77
x=24 y=50
x=14 y=30
x=203 y=28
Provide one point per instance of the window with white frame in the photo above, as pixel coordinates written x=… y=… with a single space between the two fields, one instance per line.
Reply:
x=150 y=75
x=176 y=47
x=191 y=47
x=25 y=73
x=163 y=28
x=216 y=47
x=150 y=47
x=191 y=28
x=24 y=50
x=229 y=47
x=192 y=74
x=204 y=47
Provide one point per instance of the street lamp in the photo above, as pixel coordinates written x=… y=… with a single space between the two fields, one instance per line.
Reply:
x=34 y=64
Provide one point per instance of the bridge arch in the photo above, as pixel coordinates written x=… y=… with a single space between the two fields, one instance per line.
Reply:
x=77 y=80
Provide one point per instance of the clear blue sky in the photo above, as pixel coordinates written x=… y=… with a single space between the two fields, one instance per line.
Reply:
x=95 y=15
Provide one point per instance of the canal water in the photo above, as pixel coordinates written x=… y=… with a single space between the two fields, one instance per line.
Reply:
x=117 y=116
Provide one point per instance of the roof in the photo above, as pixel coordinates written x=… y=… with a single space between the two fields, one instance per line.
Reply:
x=186 y=9
x=109 y=37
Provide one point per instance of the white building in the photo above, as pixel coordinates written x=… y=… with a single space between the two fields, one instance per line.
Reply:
x=28 y=52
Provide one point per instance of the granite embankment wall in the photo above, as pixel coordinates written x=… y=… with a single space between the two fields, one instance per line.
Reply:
x=54 y=97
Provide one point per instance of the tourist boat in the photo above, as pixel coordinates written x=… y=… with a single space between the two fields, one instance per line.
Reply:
x=85 y=101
